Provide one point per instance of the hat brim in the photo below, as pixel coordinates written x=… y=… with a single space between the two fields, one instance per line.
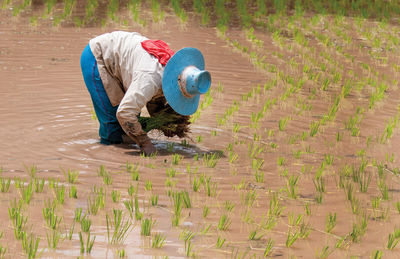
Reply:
x=181 y=59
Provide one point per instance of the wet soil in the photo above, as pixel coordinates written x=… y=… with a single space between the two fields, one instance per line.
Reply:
x=46 y=121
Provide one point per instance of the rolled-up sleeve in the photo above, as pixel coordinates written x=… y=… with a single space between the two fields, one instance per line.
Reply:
x=144 y=86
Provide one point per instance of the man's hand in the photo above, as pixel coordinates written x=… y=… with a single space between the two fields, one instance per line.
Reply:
x=145 y=144
x=148 y=148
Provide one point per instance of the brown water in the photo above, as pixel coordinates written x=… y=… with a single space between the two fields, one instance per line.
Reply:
x=45 y=115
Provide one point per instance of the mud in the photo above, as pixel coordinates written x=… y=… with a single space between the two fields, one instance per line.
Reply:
x=46 y=112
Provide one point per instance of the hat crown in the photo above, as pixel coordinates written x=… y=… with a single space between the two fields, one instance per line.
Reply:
x=194 y=81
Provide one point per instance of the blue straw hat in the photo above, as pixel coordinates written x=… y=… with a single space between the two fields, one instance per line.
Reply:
x=184 y=80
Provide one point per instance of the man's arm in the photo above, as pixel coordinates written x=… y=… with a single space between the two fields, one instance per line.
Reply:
x=142 y=89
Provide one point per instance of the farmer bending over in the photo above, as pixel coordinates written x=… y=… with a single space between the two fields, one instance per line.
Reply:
x=124 y=71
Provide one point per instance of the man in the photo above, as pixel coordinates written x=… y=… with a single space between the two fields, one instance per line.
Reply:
x=124 y=71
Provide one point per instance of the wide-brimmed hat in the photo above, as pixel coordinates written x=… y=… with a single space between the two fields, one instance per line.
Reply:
x=184 y=80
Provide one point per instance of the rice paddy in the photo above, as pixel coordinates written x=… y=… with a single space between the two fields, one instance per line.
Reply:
x=292 y=153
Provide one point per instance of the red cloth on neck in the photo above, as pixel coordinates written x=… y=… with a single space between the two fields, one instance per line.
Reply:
x=159 y=49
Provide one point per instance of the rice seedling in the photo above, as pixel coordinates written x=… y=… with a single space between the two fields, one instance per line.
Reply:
x=229 y=206
x=38 y=185
x=196 y=184
x=306 y=169
x=359 y=228
x=176 y=158
x=90 y=8
x=307 y=209
x=324 y=253
x=186 y=199
x=133 y=170
x=314 y=126
x=71 y=176
x=397 y=205
x=376 y=254
x=52 y=220
x=364 y=181
x=393 y=240
x=53 y=183
x=200 y=7
x=291 y=186
x=304 y=230
x=249 y=198
x=281 y=161
x=297 y=154
x=211 y=159
x=53 y=238
x=3 y=252
x=220 y=242
x=78 y=215
x=178 y=203
x=32 y=170
x=27 y=192
x=171 y=172
x=121 y=253
x=383 y=188
x=179 y=11
x=158 y=240
x=129 y=207
x=233 y=157
x=70 y=232
x=246 y=216
x=154 y=200
x=96 y=202
x=134 y=7
x=86 y=223
x=147 y=225
x=255 y=234
x=291 y=238
x=319 y=184
x=235 y=254
x=283 y=123
x=256 y=164
x=119 y=226
x=102 y=172
x=377 y=95
x=206 y=211
x=389 y=158
x=187 y=236
x=60 y=194
x=138 y=214
x=5 y=184
x=210 y=187
x=170 y=146
x=68 y=7
x=18 y=220
x=330 y=222
x=73 y=192
x=329 y=158
x=224 y=222
x=148 y=185
x=259 y=176
x=157 y=12
x=112 y=8
x=30 y=244
x=268 y=247
x=86 y=247
x=255 y=149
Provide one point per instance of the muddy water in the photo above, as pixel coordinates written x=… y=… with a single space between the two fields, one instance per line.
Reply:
x=45 y=115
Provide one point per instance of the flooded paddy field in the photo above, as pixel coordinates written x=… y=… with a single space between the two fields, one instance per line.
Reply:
x=292 y=154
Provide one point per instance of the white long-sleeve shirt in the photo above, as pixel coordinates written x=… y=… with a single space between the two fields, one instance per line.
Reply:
x=130 y=75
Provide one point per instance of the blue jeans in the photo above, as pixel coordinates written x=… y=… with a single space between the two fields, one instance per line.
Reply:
x=110 y=131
